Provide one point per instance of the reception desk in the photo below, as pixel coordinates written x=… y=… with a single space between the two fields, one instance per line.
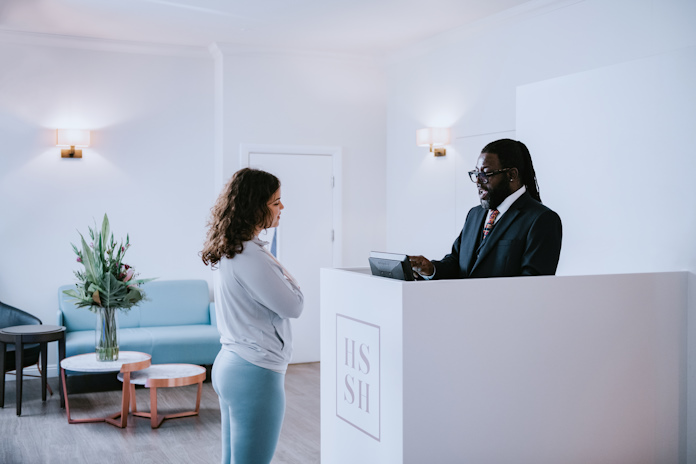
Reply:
x=587 y=369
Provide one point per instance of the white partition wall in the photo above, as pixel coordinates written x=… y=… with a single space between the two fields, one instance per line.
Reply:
x=589 y=369
x=609 y=151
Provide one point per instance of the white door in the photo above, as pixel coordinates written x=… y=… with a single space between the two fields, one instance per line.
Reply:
x=304 y=237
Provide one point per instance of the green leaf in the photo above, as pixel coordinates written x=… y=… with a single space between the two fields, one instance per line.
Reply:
x=88 y=261
x=71 y=293
x=80 y=299
x=105 y=229
x=112 y=292
x=135 y=295
x=98 y=247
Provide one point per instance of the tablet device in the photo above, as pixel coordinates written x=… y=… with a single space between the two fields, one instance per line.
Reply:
x=392 y=265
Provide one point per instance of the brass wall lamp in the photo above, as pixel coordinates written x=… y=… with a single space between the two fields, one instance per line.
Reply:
x=72 y=138
x=435 y=138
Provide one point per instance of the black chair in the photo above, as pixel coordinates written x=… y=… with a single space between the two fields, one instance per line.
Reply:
x=9 y=317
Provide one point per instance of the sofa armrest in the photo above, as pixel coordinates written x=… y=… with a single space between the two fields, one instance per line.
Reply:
x=59 y=317
x=213 y=317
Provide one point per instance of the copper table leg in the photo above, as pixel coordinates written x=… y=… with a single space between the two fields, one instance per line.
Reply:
x=120 y=419
x=154 y=383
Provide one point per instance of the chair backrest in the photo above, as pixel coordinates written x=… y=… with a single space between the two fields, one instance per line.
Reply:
x=11 y=316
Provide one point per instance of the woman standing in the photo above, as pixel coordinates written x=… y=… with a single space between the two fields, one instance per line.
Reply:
x=255 y=296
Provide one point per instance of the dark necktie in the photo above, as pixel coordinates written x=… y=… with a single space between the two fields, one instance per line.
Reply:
x=489 y=225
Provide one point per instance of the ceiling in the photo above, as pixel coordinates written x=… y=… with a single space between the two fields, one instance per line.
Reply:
x=345 y=26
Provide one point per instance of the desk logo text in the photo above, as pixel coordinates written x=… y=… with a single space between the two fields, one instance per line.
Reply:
x=358 y=374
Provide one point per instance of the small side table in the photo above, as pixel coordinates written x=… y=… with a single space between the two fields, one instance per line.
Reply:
x=128 y=362
x=165 y=375
x=25 y=334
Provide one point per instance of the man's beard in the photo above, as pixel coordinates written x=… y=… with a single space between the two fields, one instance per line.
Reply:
x=496 y=196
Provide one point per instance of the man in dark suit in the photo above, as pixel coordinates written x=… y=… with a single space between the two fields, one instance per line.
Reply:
x=511 y=233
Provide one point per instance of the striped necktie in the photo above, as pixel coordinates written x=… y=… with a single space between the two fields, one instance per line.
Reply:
x=489 y=225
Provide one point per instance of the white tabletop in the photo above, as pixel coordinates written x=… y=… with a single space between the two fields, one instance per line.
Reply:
x=88 y=362
x=164 y=371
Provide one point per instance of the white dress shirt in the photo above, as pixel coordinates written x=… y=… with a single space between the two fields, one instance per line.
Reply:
x=505 y=205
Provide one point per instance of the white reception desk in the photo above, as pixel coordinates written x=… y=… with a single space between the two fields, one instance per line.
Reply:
x=589 y=369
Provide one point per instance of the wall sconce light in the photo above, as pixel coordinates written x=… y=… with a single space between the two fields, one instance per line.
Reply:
x=72 y=138
x=435 y=138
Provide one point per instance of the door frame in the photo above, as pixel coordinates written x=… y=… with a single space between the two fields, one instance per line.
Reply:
x=247 y=149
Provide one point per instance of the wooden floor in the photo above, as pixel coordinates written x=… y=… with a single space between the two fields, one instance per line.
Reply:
x=43 y=435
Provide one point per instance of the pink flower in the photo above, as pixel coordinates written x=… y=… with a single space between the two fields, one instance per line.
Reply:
x=129 y=275
x=79 y=260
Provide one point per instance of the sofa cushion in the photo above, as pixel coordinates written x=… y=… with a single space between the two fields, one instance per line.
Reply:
x=175 y=302
x=193 y=344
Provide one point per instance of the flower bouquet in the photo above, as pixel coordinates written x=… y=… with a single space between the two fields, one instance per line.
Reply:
x=105 y=285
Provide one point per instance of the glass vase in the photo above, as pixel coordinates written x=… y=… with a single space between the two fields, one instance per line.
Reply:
x=106 y=337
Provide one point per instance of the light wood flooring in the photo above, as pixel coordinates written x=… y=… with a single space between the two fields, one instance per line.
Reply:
x=42 y=434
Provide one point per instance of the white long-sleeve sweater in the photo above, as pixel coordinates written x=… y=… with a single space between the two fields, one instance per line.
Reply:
x=254 y=300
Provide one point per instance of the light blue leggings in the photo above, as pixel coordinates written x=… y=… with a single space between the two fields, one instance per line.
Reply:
x=252 y=406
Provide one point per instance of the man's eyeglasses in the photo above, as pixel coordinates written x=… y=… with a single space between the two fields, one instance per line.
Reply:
x=481 y=176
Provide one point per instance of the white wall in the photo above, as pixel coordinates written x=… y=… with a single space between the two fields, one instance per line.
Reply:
x=150 y=166
x=467 y=79
x=309 y=99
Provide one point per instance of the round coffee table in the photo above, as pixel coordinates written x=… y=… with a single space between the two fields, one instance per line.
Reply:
x=162 y=376
x=128 y=362
x=25 y=334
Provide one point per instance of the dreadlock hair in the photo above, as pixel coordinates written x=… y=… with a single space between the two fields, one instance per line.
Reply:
x=238 y=212
x=514 y=154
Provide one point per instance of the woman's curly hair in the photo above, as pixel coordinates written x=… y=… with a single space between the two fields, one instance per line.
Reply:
x=239 y=210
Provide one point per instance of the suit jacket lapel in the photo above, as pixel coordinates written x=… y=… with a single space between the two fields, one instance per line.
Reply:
x=470 y=239
x=498 y=231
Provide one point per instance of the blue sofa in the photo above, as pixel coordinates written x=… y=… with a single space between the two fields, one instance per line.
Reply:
x=176 y=324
